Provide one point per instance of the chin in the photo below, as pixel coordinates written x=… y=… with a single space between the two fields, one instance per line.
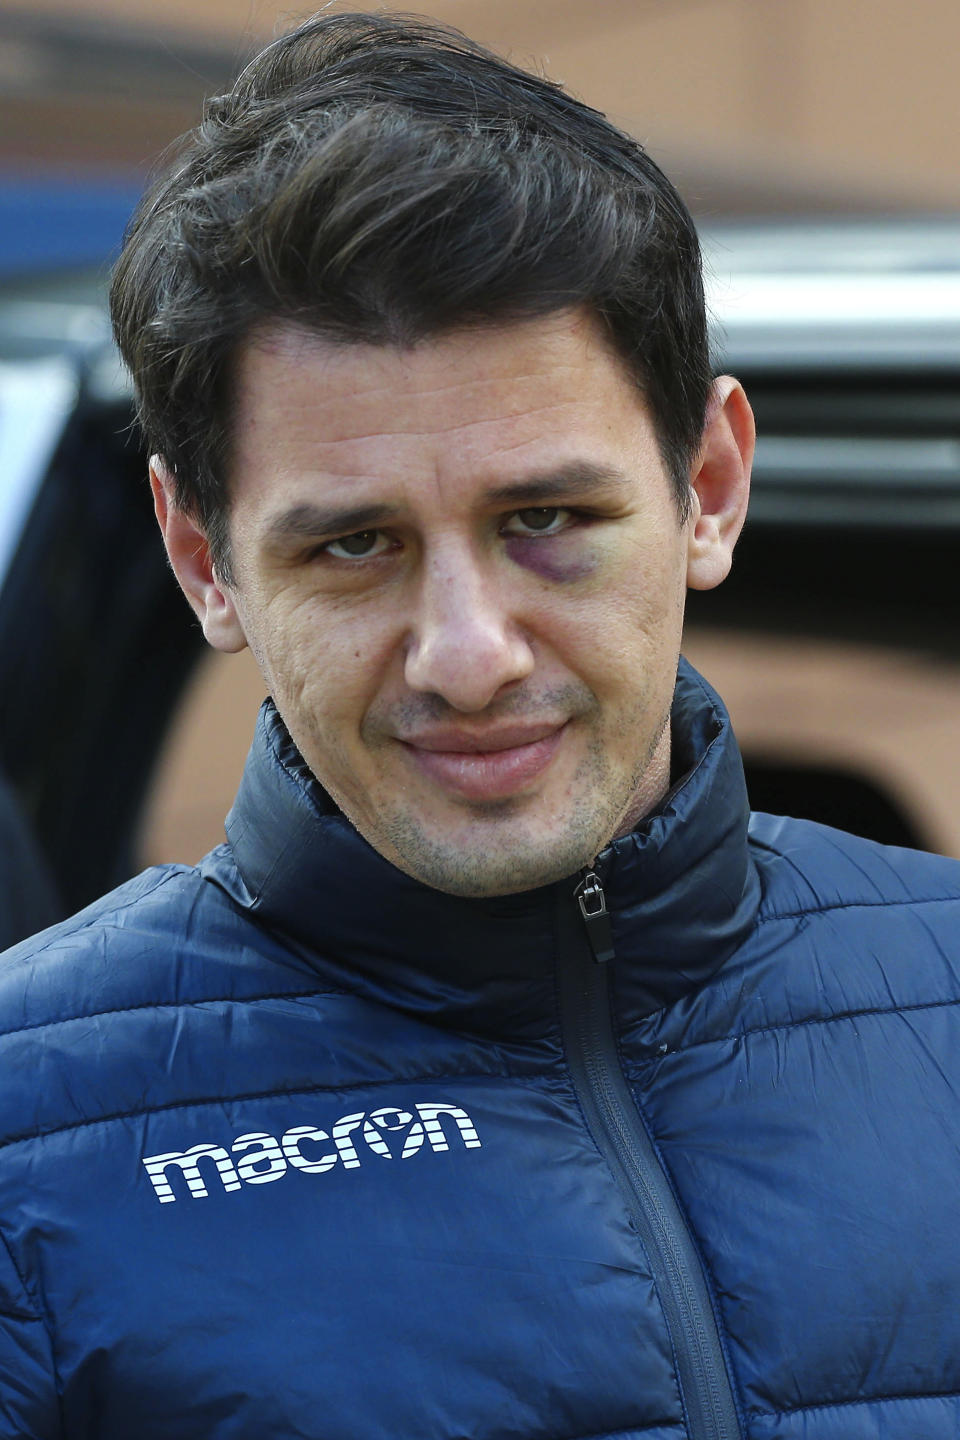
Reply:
x=494 y=865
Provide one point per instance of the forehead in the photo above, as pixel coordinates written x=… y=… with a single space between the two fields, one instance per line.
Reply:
x=482 y=404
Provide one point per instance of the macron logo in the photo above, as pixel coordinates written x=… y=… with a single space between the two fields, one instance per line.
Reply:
x=261 y=1159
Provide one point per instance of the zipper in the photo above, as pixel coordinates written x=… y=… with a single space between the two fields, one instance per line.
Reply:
x=616 y=1126
x=596 y=917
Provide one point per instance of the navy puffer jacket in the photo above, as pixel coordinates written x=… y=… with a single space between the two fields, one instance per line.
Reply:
x=292 y=1146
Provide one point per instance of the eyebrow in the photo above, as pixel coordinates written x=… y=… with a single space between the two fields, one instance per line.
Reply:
x=576 y=479
x=308 y=521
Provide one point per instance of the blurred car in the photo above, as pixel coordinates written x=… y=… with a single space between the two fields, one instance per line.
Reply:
x=95 y=643
x=834 y=642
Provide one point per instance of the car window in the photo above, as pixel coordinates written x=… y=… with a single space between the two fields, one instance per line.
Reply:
x=36 y=398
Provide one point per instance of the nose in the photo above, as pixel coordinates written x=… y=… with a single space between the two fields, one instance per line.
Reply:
x=464 y=644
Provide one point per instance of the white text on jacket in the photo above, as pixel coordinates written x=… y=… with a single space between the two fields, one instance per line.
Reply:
x=262 y=1158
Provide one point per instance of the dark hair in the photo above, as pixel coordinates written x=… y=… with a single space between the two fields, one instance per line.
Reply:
x=382 y=178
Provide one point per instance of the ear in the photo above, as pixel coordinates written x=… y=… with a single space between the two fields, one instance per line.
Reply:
x=211 y=601
x=720 y=484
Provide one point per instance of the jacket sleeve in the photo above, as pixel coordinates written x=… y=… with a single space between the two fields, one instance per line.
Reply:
x=29 y=1406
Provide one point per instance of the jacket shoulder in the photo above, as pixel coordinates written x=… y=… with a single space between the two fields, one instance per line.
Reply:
x=86 y=960
x=807 y=868
x=153 y=939
x=85 y=1005
x=170 y=934
x=845 y=927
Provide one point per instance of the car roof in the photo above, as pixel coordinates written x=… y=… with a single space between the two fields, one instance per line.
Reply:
x=845 y=332
x=799 y=294
x=795 y=292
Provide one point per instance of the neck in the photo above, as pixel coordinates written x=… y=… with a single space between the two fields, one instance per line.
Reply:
x=653 y=784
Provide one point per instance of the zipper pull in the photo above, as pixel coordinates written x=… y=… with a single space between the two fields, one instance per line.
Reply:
x=596 y=917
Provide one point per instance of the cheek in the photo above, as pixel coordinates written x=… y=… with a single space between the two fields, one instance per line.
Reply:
x=553 y=559
x=329 y=662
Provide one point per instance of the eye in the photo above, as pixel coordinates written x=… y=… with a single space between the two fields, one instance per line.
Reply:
x=361 y=545
x=538 y=520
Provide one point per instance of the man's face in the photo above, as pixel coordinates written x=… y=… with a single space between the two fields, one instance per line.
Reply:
x=461 y=570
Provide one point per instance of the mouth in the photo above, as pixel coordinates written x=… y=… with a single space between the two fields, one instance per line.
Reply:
x=486 y=767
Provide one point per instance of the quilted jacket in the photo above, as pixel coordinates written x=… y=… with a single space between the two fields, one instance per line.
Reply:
x=292 y=1146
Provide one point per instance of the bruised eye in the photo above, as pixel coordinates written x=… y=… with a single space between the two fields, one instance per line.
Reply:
x=358 y=546
x=538 y=520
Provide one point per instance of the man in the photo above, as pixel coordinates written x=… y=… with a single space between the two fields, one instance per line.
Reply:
x=494 y=1079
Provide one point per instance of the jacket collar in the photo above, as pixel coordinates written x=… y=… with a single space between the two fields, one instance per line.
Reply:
x=681 y=890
